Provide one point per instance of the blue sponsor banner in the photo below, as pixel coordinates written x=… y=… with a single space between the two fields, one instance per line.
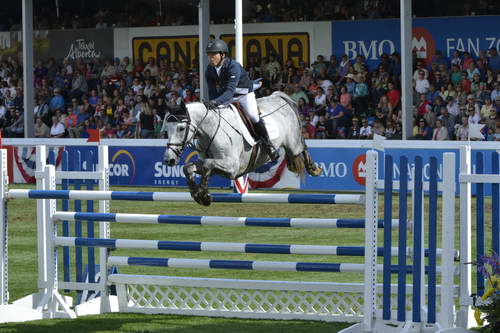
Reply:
x=143 y=166
x=344 y=169
x=372 y=38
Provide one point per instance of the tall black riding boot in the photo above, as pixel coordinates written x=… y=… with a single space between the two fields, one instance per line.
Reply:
x=270 y=149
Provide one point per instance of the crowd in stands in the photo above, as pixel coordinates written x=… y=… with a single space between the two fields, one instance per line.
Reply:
x=133 y=13
x=344 y=99
x=337 y=98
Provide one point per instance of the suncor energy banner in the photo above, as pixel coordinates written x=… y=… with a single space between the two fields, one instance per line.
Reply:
x=372 y=38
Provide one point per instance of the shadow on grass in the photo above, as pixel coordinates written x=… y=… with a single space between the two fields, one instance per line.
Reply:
x=138 y=323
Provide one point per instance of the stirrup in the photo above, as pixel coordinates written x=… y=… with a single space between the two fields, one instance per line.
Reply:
x=272 y=152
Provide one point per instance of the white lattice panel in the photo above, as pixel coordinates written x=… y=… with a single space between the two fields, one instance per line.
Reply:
x=243 y=298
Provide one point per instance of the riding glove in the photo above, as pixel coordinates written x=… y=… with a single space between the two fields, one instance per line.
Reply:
x=210 y=104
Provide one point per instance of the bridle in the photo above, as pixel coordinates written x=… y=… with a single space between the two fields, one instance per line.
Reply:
x=186 y=140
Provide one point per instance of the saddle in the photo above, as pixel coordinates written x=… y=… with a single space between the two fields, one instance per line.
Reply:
x=248 y=123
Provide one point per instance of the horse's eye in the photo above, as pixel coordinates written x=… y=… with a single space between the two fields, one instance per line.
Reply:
x=181 y=129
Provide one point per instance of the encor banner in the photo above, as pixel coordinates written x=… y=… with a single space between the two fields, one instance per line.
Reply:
x=372 y=38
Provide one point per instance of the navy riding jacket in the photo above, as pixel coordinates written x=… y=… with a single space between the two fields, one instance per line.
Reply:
x=232 y=80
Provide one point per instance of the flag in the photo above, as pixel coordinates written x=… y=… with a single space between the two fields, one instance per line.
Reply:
x=94 y=135
x=240 y=184
x=475 y=131
x=378 y=142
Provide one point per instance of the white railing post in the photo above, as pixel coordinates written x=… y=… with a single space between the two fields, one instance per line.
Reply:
x=104 y=232
x=465 y=286
x=446 y=319
x=41 y=221
x=371 y=219
x=4 y=259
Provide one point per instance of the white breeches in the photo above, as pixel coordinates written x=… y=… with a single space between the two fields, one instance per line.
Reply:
x=249 y=105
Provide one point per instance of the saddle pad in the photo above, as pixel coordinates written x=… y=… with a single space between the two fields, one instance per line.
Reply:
x=271 y=126
x=242 y=128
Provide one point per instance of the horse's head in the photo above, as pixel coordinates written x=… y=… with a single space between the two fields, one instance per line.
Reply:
x=180 y=131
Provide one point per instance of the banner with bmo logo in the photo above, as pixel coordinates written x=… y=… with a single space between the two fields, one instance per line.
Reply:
x=372 y=38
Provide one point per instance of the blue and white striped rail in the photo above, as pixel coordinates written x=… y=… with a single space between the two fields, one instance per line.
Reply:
x=217 y=220
x=186 y=197
x=219 y=246
x=248 y=265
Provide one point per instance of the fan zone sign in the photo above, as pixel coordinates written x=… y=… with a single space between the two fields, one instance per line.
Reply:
x=372 y=38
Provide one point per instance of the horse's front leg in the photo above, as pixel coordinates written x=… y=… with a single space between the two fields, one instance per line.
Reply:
x=199 y=192
x=205 y=169
x=189 y=170
x=204 y=196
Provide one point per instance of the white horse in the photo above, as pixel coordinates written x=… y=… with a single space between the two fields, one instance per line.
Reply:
x=217 y=137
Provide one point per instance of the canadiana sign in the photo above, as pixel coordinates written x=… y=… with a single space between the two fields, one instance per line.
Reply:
x=86 y=44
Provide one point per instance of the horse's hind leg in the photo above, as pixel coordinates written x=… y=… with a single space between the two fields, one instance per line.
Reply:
x=311 y=167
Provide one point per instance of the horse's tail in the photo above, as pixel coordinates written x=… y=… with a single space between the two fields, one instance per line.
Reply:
x=296 y=165
x=303 y=161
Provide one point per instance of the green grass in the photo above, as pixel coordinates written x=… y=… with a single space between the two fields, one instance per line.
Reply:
x=23 y=261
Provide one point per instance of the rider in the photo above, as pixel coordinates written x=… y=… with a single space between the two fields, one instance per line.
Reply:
x=228 y=81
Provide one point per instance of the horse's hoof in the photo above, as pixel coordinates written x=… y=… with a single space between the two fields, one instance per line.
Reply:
x=206 y=199
x=315 y=172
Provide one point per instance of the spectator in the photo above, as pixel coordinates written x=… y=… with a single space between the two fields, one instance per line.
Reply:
x=378 y=128
x=361 y=97
x=79 y=85
x=495 y=93
x=273 y=69
x=16 y=125
x=393 y=95
x=423 y=131
x=70 y=122
x=487 y=108
x=57 y=101
x=335 y=116
x=462 y=130
x=365 y=132
x=321 y=128
x=417 y=75
x=492 y=119
x=345 y=98
x=146 y=122
x=298 y=93
x=423 y=107
x=448 y=121
x=354 y=130
x=320 y=98
x=3 y=114
x=57 y=130
x=494 y=59
x=41 y=130
x=390 y=130
x=440 y=132
x=421 y=83
x=465 y=82
x=152 y=68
